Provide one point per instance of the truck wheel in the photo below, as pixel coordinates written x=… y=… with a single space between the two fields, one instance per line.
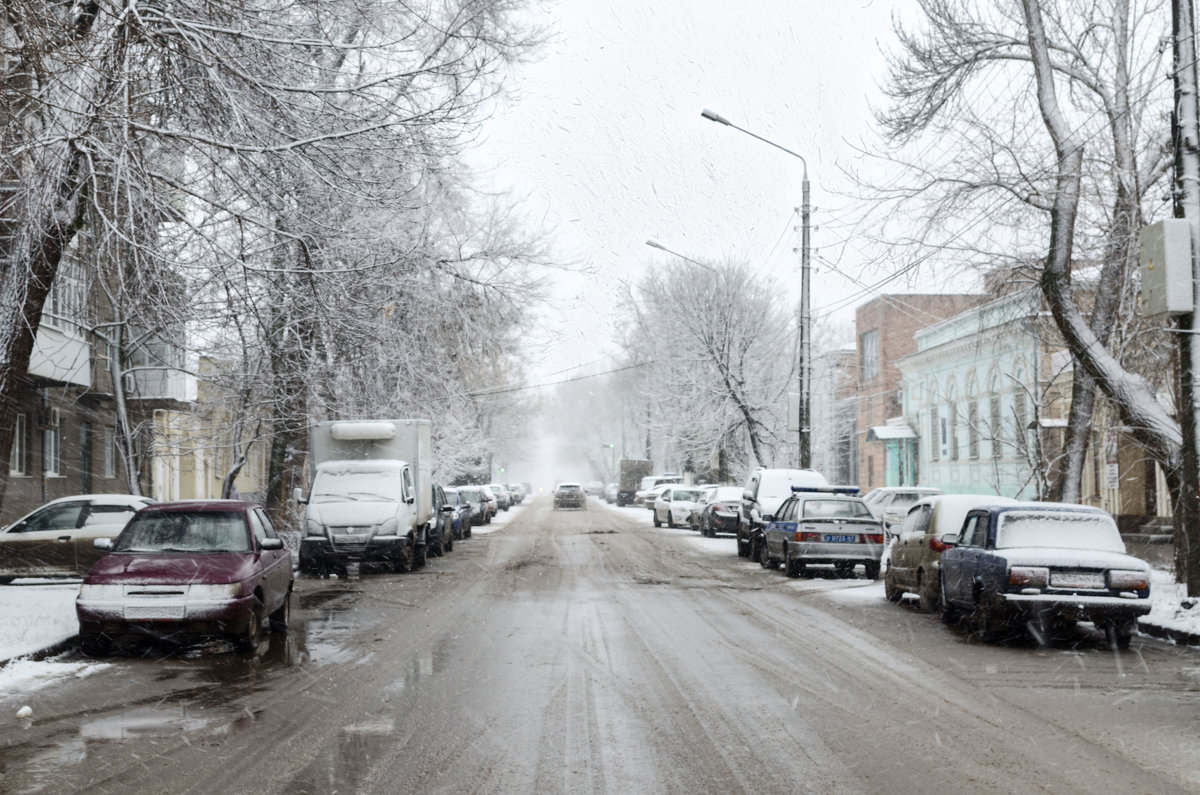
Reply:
x=419 y=556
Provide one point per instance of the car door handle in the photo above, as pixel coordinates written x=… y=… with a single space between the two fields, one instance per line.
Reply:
x=64 y=538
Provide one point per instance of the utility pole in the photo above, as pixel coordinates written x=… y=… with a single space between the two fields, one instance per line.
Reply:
x=1186 y=134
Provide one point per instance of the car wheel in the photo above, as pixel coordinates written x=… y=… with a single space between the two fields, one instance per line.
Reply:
x=871 y=569
x=931 y=599
x=1119 y=633
x=248 y=638
x=991 y=627
x=449 y=545
x=467 y=530
x=764 y=556
x=950 y=613
x=743 y=547
x=435 y=549
x=280 y=618
x=6 y=580
x=657 y=523
x=844 y=569
x=791 y=567
x=419 y=556
x=95 y=643
x=890 y=590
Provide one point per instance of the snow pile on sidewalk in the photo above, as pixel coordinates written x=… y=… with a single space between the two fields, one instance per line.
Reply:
x=37 y=614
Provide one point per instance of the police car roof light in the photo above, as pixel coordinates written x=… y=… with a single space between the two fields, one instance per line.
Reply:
x=827 y=489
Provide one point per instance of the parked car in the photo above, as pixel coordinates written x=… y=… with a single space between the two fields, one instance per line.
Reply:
x=516 y=493
x=440 y=537
x=610 y=493
x=822 y=524
x=763 y=493
x=492 y=499
x=914 y=558
x=717 y=510
x=185 y=569
x=461 y=516
x=569 y=495
x=56 y=540
x=503 y=498
x=646 y=497
x=674 y=506
x=891 y=503
x=593 y=488
x=1045 y=566
x=481 y=509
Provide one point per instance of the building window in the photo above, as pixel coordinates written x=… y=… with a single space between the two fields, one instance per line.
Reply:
x=52 y=443
x=66 y=302
x=952 y=443
x=995 y=423
x=937 y=434
x=870 y=354
x=973 y=429
x=1021 y=413
x=110 y=452
x=17 y=453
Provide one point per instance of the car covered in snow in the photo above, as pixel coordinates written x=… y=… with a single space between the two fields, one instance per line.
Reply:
x=57 y=539
x=646 y=497
x=569 y=495
x=1043 y=566
x=461 y=515
x=891 y=503
x=822 y=525
x=180 y=570
x=913 y=562
x=674 y=506
x=482 y=510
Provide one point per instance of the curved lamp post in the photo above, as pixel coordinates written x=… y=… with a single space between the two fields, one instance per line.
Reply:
x=805 y=452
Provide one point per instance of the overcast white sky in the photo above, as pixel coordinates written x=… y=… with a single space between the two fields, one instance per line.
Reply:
x=604 y=139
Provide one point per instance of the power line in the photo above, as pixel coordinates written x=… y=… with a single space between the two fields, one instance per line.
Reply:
x=505 y=390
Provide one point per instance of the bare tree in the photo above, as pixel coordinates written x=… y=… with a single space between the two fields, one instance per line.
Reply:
x=254 y=143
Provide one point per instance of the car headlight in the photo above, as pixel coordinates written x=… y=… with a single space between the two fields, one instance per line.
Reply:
x=100 y=592
x=313 y=528
x=388 y=526
x=227 y=590
x=1128 y=580
x=1029 y=576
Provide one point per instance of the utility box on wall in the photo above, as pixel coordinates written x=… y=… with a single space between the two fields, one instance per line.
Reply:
x=1166 y=268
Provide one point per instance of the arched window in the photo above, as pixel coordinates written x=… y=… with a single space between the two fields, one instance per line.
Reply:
x=994 y=421
x=972 y=419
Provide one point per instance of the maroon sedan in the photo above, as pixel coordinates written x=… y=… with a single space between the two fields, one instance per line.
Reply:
x=188 y=569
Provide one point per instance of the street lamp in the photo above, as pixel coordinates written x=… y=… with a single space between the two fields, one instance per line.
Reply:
x=805 y=320
x=661 y=247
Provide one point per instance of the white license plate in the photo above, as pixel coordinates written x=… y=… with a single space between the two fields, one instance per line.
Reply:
x=154 y=612
x=350 y=539
x=1076 y=579
x=834 y=538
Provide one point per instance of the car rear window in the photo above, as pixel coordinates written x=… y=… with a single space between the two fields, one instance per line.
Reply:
x=1058 y=529
x=853 y=509
x=185 y=531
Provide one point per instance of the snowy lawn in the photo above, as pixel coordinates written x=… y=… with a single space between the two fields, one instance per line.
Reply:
x=37 y=614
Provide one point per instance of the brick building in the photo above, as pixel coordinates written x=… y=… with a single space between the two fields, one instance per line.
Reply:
x=885 y=329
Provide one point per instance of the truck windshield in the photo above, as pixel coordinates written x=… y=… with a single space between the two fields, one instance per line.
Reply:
x=339 y=485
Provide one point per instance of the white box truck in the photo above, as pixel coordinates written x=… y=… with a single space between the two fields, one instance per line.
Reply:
x=371 y=500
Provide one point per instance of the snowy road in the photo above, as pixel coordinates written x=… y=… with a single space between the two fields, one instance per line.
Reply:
x=589 y=652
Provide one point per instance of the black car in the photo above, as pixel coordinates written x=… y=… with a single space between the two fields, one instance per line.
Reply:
x=1042 y=566
x=440 y=538
x=718 y=510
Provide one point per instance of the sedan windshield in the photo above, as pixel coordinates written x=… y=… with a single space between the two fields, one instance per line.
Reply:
x=185 y=531
x=1058 y=529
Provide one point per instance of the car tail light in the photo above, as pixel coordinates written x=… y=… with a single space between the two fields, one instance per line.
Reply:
x=1128 y=580
x=938 y=545
x=806 y=537
x=873 y=538
x=1029 y=576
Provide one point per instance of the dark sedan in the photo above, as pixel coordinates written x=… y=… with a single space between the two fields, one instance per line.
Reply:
x=1043 y=566
x=186 y=569
x=719 y=510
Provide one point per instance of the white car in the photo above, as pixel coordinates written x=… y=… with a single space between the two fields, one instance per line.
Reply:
x=646 y=497
x=891 y=503
x=56 y=540
x=674 y=505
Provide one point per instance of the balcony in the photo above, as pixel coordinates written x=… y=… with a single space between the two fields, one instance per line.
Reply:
x=160 y=384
